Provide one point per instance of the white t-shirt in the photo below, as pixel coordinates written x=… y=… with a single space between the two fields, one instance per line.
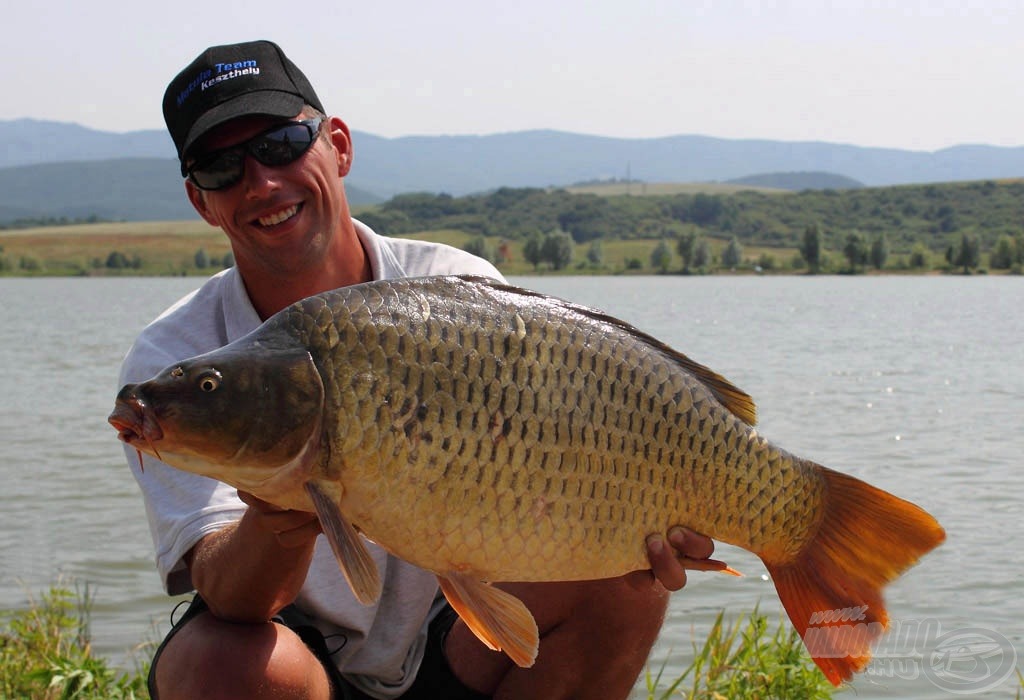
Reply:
x=382 y=643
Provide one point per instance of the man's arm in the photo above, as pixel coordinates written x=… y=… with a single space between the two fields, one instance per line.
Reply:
x=249 y=570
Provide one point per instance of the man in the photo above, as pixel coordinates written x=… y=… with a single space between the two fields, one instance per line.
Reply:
x=274 y=618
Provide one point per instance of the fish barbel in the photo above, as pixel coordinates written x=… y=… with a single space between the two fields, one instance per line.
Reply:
x=489 y=433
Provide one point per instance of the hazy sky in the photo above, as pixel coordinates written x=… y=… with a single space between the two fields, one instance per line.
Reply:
x=904 y=74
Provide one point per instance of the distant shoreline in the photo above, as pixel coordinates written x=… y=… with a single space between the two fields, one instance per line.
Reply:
x=193 y=248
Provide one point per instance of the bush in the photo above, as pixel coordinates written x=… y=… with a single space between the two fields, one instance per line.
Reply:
x=743 y=660
x=45 y=653
x=481 y=248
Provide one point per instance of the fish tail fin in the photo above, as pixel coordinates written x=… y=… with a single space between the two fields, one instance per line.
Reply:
x=832 y=589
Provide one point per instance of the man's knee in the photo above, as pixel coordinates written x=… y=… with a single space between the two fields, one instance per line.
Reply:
x=211 y=658
x=622 y=604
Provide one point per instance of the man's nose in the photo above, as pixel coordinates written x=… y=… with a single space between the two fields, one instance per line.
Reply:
x=258 y=178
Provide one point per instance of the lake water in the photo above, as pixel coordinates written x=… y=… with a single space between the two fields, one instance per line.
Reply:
x=915 y=384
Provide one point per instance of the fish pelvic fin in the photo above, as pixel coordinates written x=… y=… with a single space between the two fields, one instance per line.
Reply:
x=498 y=619
x=353 y=557
x=832 y=590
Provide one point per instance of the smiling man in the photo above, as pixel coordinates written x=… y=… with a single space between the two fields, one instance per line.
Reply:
x=273 y=616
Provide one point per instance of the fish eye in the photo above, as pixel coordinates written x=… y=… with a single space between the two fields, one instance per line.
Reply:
x=209 y=381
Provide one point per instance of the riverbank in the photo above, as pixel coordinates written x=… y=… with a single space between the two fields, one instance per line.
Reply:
x=46 y=652
x=193 y=248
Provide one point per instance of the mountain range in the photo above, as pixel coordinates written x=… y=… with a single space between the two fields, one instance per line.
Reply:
x=54 y=169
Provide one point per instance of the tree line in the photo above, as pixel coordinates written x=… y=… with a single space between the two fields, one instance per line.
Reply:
x=861 y=228
x=115 y=261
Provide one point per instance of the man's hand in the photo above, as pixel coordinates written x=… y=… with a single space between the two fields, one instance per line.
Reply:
x=292 y=528
x=670 y=557
x=250 y=569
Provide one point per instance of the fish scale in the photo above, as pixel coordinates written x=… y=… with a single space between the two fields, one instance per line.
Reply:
x=489 y=433
x=528 y=370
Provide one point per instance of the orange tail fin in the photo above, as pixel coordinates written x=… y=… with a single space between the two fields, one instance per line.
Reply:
x=832 y=590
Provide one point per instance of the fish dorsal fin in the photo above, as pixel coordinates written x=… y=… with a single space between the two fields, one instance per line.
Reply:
x=739 y=402
x=734 y=399
x=498 y=619
x=353 y=557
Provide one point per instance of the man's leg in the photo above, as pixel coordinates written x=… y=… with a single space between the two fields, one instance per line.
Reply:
x=209 y=658
x=595 y=637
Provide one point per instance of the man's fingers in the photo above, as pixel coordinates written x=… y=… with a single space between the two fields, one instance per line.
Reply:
x=664 y=564
x=690 y=544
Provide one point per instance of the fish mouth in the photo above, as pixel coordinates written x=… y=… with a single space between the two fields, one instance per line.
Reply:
x=134 y=423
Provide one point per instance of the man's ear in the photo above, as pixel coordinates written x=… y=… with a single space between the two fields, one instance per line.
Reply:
x=342 y=140
x=198 y=199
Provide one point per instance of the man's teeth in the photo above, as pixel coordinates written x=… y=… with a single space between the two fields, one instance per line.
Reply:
x=279 y=216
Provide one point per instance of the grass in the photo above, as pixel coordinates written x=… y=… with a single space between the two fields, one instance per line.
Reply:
x=163 y=247
x=742 y=659
x=168 y=248
x=46 y=654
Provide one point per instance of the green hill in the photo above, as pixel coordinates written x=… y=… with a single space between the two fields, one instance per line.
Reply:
x=935 y=215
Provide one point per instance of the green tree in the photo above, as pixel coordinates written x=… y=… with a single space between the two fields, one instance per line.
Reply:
x=686 y=246
x=30 y=263
x=116 y=260
x=661 y=256
x=1004 y=255
x=558 y=249
x=968 y=254
x=810 y=248
x=732 y=256
x=918 y=257
x=702 y=254
x=705 y=209
x=855 y=250
x=202 y=260
x=595 y=253
x=480 y=247
x=533 y=250
x=879 y=251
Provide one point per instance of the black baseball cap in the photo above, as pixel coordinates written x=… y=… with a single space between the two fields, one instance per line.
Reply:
x=230 y=81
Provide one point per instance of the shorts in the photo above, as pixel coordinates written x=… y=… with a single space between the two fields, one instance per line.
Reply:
x=435 y=680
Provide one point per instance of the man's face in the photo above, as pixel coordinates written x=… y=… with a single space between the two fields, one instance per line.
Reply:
x=279 y=219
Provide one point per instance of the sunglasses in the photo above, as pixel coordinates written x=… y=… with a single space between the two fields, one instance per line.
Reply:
x=277 y=146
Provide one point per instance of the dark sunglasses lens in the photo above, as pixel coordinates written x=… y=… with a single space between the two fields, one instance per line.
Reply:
x=277 y=147
x=221 y=171
x=282 y=146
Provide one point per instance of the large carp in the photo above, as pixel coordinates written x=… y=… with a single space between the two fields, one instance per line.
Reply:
x=489 y=433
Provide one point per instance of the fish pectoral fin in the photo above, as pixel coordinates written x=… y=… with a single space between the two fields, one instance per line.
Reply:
x=349 y=549
x=498 y=619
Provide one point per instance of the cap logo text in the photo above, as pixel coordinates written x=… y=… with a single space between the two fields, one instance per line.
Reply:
x=219 y=73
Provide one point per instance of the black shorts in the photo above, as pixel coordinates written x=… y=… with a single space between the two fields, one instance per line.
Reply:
x=435 y=680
